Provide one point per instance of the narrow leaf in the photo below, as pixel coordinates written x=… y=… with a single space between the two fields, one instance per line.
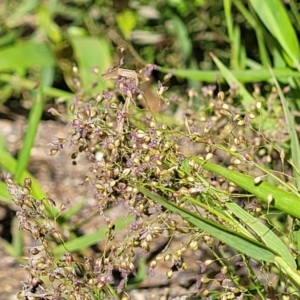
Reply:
x=243 y=76
x=282 y=200
x=268 y=236
x=273 y=14
x=90 y=239
x=236 y=240
x=33 y=123
x=247 y=99
x=295 y=146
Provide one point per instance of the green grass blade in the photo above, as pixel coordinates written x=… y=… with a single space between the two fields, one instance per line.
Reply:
x=92 y=52
x=228 y=17
x=233 y=239
x=33 y=122
x=261 y=41
x=71 y=211
x=25 y=55
x=293 y=274
x=15 y=249
x=4 y=195
x=247 y=99
x=18 y=82
x=9 y=165
x=232 y=34
x=90 y=239
x=282 y=200
x=24 y=8
x=270 y=239
x=243 y=76
x=274 y=16
x=9 y=248
x=295 y=146
x=183 y=40
x=17 y=238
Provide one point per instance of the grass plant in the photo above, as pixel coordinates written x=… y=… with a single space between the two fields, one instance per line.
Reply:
x=214 y=161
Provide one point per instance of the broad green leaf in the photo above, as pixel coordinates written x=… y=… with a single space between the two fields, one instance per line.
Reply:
x=90 y=239
x=282 y=200
x=274 y=16
x=25 y=55
x=266 y=234
x=91 y=53
x=233 y=239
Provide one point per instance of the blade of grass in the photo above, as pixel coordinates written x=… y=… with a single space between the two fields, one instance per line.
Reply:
x=241 y=243
x=17 y=238
x=90 y=239
x=293 y=274
x=247 y=99
x=33 y=122
x=261 y=41
x=296 y=13
x=232 y=34
x=24 y=7
x=295 y=146
x=243 y=76
x=14 y=249
x=183 y=40
x=221 y=214
x=4 y=195
x=270 y=12
x=266 y=234
x=236 y=240
x=9 y=164
x=18 y=82
x=282 y=200
x=71 y=211
x=279 y=182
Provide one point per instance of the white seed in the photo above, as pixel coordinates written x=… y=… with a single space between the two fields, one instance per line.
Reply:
x=237 y=162
x=270 y=198
x=258 y=105
x=257 y=180
x=208 y=156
